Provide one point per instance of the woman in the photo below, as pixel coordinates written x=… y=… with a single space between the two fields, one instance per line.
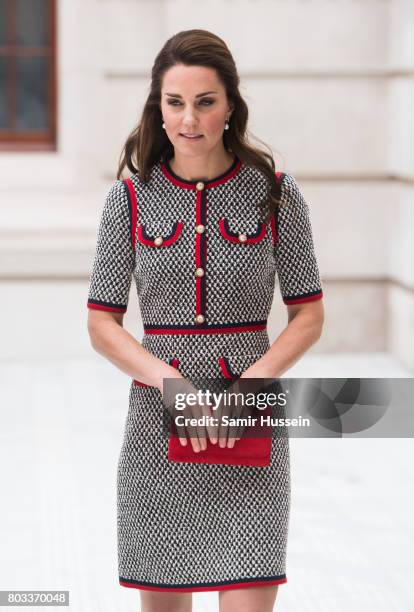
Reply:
x=203 y=224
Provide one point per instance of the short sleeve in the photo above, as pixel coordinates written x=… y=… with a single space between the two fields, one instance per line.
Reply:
x=113 y=265
x=296 y=264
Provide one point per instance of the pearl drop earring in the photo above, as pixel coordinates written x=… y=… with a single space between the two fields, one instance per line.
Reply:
x=226 y=125
x=163 y=125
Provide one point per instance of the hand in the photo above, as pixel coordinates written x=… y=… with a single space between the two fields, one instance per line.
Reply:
x=232 y=408
x=242 y=410
x=198 y=432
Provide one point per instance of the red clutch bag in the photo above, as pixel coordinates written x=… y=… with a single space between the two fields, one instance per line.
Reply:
x=249 y=450
x=246 y=451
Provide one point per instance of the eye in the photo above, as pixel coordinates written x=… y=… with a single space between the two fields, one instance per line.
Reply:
x=203 y=102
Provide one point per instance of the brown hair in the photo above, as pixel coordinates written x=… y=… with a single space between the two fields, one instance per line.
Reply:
x=148 y=143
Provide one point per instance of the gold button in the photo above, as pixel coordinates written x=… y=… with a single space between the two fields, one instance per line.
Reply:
x=200 y=318
x=158 y=240
x=200 y=186
x=242 y=237
x=200 y=229
x=199 y=272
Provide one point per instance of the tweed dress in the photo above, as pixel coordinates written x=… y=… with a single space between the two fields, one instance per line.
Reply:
x=204 y=264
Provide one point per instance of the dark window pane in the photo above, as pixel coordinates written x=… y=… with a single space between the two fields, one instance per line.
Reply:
x=4 y=106
x=3 y=22
x=31 y=93
x=31 y=22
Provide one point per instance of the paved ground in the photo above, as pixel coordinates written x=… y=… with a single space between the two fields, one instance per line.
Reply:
x=351 y=530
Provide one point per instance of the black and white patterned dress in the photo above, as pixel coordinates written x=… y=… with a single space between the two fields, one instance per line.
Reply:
x=204 y=265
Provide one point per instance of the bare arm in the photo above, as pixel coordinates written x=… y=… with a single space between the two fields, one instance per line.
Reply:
x=110 y=339
x=305 y=322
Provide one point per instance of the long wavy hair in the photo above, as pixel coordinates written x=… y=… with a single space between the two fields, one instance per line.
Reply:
x=148 y=142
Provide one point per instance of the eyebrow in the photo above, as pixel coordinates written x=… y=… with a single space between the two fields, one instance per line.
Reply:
x=174 y=95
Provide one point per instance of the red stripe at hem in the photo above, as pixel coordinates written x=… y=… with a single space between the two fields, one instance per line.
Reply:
x=190 y=589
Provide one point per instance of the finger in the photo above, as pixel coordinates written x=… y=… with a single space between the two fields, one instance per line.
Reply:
x=180 y=429
x=223 y=426
x=202 y=411
x=210 y=430
x=222 y=433
x=195 y=442
x=198 y=433
x=183 y=440
x=234 y=431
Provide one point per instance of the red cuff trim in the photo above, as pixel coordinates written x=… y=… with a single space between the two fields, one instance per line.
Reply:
x=304 y=298
x=107 y=307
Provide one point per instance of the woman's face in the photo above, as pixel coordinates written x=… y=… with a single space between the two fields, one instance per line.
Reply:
x=193 y=101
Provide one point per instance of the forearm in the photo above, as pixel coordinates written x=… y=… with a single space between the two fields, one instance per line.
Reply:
x=297 y=337
x=111 y=340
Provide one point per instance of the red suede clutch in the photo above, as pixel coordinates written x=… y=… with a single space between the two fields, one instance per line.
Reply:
x=246 y=451
x=249 y=450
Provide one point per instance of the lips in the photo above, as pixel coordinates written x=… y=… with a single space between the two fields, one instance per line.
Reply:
x=191 y=136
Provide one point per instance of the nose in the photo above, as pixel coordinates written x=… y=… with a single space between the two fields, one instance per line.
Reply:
x=189 y=120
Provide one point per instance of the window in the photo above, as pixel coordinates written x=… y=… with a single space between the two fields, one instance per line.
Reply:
x=27 y=74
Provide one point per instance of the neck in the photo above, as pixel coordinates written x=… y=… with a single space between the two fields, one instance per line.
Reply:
x=201 y=168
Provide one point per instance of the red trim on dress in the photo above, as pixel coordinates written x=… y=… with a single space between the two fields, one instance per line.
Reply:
x=166 y=241
x=220 y=587
x=198 y=279
x=103 y=307
x=300 y=300
x=235 y=239
x=208 y=330
x=273 y=227
x=134 y=210
x=273 y=221
x=207 y=184
x=224 y=368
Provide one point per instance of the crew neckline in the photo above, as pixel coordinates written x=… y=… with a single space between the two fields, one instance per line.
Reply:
x=186 y=184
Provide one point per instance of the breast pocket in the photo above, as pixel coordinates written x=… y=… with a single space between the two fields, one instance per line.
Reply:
x=241 y=232
x=159 y=235
x=163 y=264
x=244 y=247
